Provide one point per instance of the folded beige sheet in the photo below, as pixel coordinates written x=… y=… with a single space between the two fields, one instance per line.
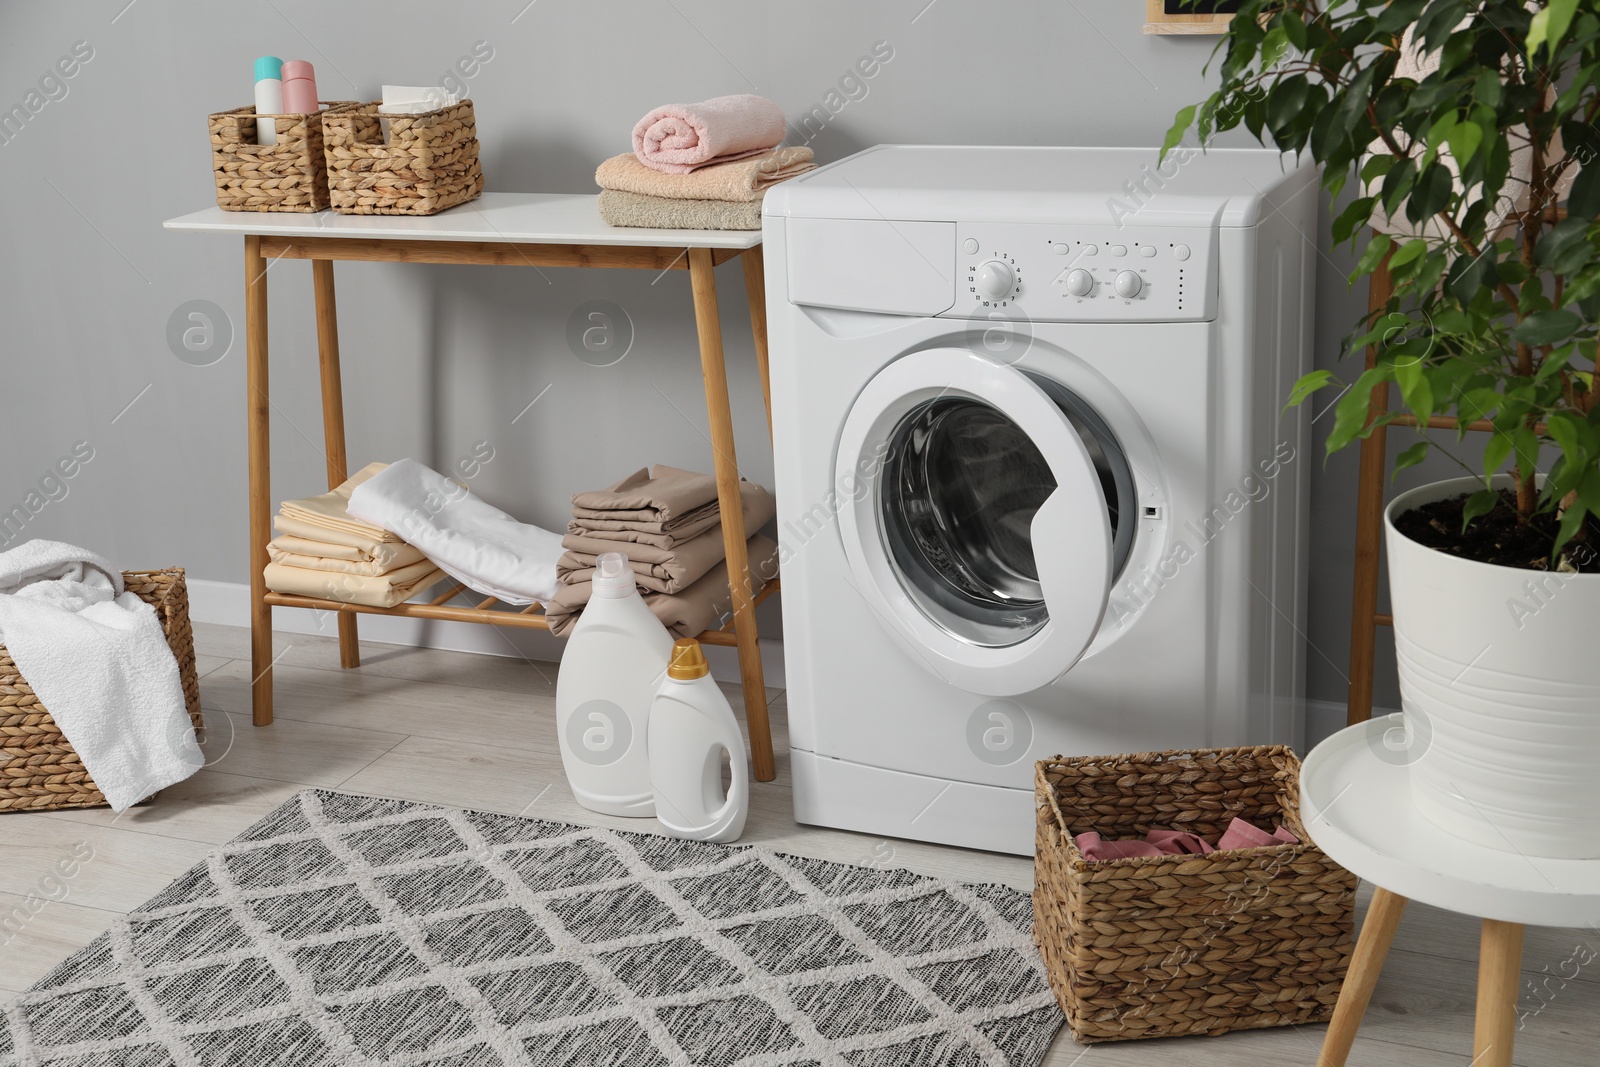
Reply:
x=326 y=556
x=662 y=213
x=377 y=591
x=663 y=507
x=704 y=605
x=663 y=570
x=327 y=513
x=739 y=181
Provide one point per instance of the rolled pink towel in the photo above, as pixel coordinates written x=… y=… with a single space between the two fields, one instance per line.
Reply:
x=677 y=138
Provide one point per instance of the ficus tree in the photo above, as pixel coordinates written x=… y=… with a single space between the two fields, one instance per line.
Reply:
x=1452 y=136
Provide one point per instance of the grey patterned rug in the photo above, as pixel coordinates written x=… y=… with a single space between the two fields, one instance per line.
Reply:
x=348 y=930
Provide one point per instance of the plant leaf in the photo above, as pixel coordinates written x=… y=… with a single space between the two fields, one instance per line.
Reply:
x=1478 y=504
x=1180 y=126
x=1550 y=25
x=1410 y=457
x=1546 y=327
x=1307 y=385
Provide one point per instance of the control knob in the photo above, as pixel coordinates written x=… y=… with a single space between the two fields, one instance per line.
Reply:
x=996 y=280
x=1129 y=284
x=1080 y=283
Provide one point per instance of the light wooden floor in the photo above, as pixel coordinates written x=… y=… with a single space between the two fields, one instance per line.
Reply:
x=476 y=731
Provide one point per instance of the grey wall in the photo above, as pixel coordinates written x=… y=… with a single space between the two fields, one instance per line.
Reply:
x=436 y=358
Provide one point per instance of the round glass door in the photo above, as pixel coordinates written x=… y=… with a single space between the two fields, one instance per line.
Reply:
x=957 y=503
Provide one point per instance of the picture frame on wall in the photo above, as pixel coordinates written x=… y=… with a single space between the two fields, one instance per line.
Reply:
x=1188 y=16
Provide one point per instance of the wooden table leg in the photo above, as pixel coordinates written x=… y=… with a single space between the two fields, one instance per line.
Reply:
x=755 y=292
x=333 y=422
x=1499 y=973
x=709 y=327
x=255 y=328
x=1369 y=531
x=1372 y=947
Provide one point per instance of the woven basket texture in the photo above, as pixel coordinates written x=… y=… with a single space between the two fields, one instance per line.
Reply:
x=1170 y=945
x=291 y=175
x=39 y=771
x=429 y=164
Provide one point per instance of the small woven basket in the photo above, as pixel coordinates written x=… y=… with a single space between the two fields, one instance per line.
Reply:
x=291 y=175
x=429 y=164
x=1170 y=945
x=39 y=771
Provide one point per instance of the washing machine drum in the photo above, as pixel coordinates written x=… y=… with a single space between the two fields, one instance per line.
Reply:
x=986 y=514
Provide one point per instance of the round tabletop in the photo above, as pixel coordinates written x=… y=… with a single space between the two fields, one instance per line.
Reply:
x=1355 y=801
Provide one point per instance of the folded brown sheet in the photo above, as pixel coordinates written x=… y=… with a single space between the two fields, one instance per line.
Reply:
x=663 y=508
x=741 y=180
x=662 y=213
x=662 y=570
x=704 y=605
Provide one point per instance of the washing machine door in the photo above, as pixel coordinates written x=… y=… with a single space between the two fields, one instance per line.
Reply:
x=974 y=521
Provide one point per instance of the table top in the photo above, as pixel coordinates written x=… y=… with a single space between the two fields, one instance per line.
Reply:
x=1357 y=807
x=511 y=218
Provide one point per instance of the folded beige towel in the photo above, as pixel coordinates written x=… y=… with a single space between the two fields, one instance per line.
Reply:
x=327 y=556
x=662 y=506
x=662 y=570
x=743 y=180
x=327 y=512
x=618 y=208
x=374 y=591
x=363 y=545
x=704 y=605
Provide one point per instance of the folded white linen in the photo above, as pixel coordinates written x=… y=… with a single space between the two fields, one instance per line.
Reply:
x=473 y=542
x=98 y=661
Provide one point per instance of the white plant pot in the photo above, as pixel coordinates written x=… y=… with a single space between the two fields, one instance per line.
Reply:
x=1500 y=683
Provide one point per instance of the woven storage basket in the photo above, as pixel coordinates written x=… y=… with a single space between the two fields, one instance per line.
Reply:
x=429 y=164
x=1169 y=945
x=291 y=175
x=39 y=771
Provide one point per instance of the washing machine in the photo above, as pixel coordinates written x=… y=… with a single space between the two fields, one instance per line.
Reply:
x=1038 y=493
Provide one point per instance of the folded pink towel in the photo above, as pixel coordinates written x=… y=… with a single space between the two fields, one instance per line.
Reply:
x=677 y=138
x=1239 y=834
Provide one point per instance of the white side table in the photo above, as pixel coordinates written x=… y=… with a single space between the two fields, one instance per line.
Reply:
x=1355 y=800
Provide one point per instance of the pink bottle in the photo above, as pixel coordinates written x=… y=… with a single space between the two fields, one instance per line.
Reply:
x=299 y=88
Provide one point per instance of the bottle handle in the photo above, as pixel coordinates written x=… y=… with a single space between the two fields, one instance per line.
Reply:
x=740 y=787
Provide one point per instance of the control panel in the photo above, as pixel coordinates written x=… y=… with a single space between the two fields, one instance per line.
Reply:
x=1084 y=273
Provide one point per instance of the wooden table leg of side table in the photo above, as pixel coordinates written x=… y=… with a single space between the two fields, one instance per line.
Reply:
x=1499 y=973
x=333 y=422
x=255 y=329
x=755 y=292
x=1372 y=947
x=709 y=327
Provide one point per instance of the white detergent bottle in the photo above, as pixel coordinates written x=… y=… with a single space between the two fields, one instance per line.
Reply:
x=691 y=726
x=610 y=669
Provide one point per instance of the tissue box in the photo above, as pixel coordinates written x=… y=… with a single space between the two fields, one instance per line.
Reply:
x=429 y=164
x=39 y=771
x=288 y=176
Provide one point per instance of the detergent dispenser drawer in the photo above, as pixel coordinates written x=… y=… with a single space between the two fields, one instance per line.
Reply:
x=872 y=265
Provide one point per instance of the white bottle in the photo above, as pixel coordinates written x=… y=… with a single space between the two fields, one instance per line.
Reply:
x=691 y=726
x=269 y=98
x=610 y=669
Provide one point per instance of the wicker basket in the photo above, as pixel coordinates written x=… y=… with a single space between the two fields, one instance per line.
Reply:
x=429 y=164
x=39 y=771
x=1169 y=945
x=291 y=175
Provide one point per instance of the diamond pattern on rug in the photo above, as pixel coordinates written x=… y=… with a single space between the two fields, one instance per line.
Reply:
x=489 y=935
x=343 y=929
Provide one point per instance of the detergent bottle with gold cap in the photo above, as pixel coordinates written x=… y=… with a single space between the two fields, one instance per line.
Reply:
x=691 y=727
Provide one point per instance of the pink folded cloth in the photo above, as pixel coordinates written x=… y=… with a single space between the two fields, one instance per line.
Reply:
x=678 y=138
x=1239 y=834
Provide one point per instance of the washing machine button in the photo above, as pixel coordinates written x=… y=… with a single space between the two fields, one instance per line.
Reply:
x=1091 y=250
x=1060 y=249
x=1119 y=250
x=1181 y=252
x=970 y=246
x=1147 y=251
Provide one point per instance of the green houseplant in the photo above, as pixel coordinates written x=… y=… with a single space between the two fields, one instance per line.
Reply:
x=1453 y=137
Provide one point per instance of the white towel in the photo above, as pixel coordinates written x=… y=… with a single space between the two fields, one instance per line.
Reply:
x=98 y=661
x=469 y=540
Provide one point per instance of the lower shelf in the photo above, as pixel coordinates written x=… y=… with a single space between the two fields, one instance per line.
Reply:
x=490 y=612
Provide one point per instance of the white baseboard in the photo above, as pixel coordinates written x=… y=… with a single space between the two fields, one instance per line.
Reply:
x=1324 y=718
x=228 y=604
